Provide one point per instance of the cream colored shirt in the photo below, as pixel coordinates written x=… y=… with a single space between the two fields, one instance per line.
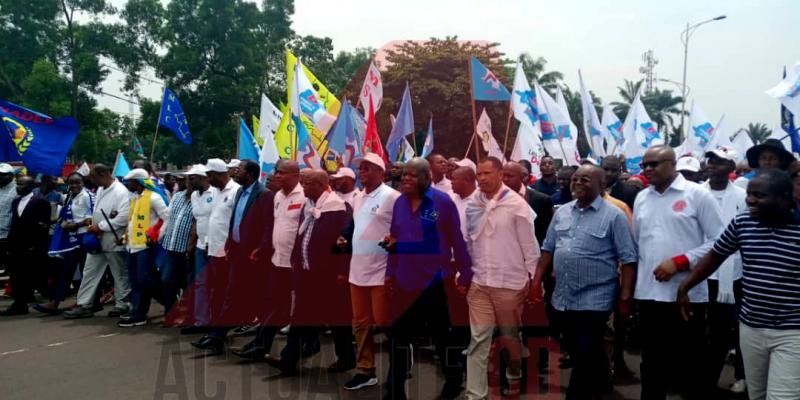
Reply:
x=287 y=220
x=219 y=220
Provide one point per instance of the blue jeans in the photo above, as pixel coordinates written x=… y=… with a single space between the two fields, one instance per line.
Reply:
x=144 y=280
x=70 y=262
x=201 y=288
x=173 y=275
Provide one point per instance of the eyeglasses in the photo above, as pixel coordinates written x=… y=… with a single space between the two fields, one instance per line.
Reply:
x=653 y=164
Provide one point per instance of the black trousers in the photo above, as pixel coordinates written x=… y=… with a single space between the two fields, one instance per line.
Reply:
x=278 y=306
x=25 y=273
x=584 y=334
x=421 y=314
x=300 y=336
x=723 y=331
x=673 y=351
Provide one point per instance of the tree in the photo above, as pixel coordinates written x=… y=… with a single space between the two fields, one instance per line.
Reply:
x=534 y=69
x=661 y=106
x=575 y=107
x=758 y=131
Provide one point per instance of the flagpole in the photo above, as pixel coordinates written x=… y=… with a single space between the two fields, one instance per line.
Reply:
x=116 y=160
x=158 y=124
x=508 y=124
x=474 y=118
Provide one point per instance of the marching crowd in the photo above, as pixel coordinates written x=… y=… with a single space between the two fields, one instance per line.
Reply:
x=702 y=258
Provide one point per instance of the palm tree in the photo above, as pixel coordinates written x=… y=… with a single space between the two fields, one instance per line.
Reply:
x=758 y=131
x=661 y=106
x=627 y=93
x=535 y=71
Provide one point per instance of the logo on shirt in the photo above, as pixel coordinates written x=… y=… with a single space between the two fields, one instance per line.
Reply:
x=295 y=206
x=679 y=206
x=375 y=208
x=209 y=200
x=431 y=215
x=225 y=200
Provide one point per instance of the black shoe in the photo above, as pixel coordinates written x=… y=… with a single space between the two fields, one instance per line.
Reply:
x=15 y=309
x=117 y=312
x=79 y=312
x=244 y=330
x=193 y=330
x=361 y=380
x=451 y=390
x=46 y=310
x=212 y=343
x=131 y=322
x=309 y=349
x=250 y=351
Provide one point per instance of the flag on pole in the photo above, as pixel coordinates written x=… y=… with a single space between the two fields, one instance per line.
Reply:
x=39 y=141
x=591 y=123
x=528 y=147
x=267 y=157
x=404 y=125
x=612 y=131
x=248 y=148
x=310 y=102
x=557 y=134
x=256 y=127
x=84 y=169
x=307 y=155
x=487 y=138
x=640 y=133
x=427 y=148
x=121 y=167
x=408 y=151
x=788 y=90
x=372 y=141
x=741 y=143
x=485 y=84
x=720 y=138
x=788 y=126
x=269 y=119
x=342 y=139
x=701 y=130
x=372 y=88
x=528 y=144
x=137 y=148
x=562 y=104
x=173 y=118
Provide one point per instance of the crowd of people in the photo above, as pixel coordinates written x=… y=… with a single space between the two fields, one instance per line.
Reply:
x=702 y=257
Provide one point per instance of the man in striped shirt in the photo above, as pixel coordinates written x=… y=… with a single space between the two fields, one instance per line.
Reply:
x=768 y=238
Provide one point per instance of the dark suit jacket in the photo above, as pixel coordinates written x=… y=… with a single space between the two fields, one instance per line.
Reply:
x=255 y=229
x=29 y=231
x=542 y=205
x=627 y=194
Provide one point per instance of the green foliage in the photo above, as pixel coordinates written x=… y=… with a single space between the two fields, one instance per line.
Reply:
x=758 y=131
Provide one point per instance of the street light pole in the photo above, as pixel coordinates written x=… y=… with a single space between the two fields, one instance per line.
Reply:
x=685 y=40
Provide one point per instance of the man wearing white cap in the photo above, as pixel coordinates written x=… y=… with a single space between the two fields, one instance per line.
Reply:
x=724 y=285
x=344 y=183
x=147 y=214
x=8 y=191
x=233 y=167
x=372 y=217
x=109 y=222
x=689 y=167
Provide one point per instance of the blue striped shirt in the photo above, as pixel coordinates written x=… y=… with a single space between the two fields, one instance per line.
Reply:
x=586 y=244
x=179 y=226
x=770 y=271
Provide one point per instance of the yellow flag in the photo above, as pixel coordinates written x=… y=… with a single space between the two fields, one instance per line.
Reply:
x=259 y=139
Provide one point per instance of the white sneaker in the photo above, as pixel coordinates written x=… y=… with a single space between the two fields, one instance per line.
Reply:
x=739 y=386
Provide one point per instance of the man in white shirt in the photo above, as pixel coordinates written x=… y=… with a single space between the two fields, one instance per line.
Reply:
x=675 y=223
x=438 y=171
x=202 y=204
x=113 y=199
x=464 y=191
x=372 y=218
x=504 y=254
x=344 y=183
x=724 y=285
x=148 y=212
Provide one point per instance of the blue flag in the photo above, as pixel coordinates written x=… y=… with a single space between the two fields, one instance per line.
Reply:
x=485 y=85
x=173 y=118
x=427 y=148
x=121 y=168
x=248 y=148
x=403 y=125
x=39 y=141
x=787 y=123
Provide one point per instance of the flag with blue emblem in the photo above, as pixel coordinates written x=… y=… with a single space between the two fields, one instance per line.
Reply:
x=612 y=131
x=558 y=135
x=173 y=118
x=640 y=133
x=248 y=148
x=427 y=147
x=404 y=125
x=304 y=102
x=591 y=123
x=121 y=167
x=38 y=140
x=485 y=85
x=343 y=142
x=788 y=126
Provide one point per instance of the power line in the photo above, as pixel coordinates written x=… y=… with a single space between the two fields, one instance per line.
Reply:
x=140 y=77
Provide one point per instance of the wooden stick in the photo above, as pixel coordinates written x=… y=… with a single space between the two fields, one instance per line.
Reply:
x=158 y=124
x=508 y=125
x=474 y=118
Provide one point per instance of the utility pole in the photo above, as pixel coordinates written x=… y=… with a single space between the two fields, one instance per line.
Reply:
x=648 y=70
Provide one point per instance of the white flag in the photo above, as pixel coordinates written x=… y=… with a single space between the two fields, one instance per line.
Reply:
x=310 y=103
x=640 y=133
x=612 y=131
x=84 y=169
x=527 y=146
x=269 y=119
x=373 y=86
x=562 y=104
x=741 y=143
x=699 y=134
x=408 y=150
x=720 y=138
x=788 y=90
x=558 y=136
x=591 y=123
x=487 y=138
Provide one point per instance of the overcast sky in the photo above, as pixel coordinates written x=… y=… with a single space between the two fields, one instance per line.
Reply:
x=730 y=65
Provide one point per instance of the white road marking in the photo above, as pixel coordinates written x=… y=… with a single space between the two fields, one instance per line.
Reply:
x=55 y=344
x=13 y=352
x=108 y=335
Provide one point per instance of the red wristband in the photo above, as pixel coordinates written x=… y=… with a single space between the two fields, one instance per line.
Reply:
x=682 y=262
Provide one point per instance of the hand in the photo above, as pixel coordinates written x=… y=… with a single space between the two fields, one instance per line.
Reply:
x=388 y=243
x=684 y=305
x=254 y=256
x=625 y=304
x=341 y=242
x=462 y=290
x=535 y=292
x=341 y=279
x=665 y=270
x=113 y=214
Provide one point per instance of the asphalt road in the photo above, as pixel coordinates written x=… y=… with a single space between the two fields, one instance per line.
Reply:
x=46 y=357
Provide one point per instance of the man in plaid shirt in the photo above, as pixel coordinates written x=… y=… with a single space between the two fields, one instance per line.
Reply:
x=175 y=240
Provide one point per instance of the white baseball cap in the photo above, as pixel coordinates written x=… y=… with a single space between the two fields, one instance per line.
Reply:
x=467 y=163
x=6 y=168
x=234 y=163
x=344 y=173
x=371 y=158
x=689 y=163
x=197 y=169
x=216 y=165
x=723 y=152
x=137 y=173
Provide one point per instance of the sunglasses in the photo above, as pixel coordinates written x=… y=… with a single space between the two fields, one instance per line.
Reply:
x=653 y=164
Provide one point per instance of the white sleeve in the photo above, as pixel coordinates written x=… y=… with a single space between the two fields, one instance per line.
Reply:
x=709 y=216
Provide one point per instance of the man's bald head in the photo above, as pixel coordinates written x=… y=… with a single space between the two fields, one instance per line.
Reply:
x=514 y=175
x=319 y=176
x=658 y=166
x=586 y=184
x=315 y=183
x=463 y=181
x=287 y=175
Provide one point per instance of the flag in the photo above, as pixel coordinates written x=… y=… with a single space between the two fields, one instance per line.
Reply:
x=372 y=87
x=640 y=133
x=741 y=143
x=267 y=157
x=343 y=137
x=788 y=90
x=269 y=119
x=558 y=136
x=562 y=104
x=121 y=167
x=372 y=141
x=137 y=148
x=39 y=141
x=485 y=85
x=720 y=138
x=612 y=128
x=427 y=148
x=84 y=169
x=248 y=148
x=591 y=123
x=404 y=125
x=256 y=127
x=408 y=151
x=487 y=138
x=310 y=103
x=700 y=132
x=528 y=146
x=787 y=124
x=302 y=103
x=173 y=118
